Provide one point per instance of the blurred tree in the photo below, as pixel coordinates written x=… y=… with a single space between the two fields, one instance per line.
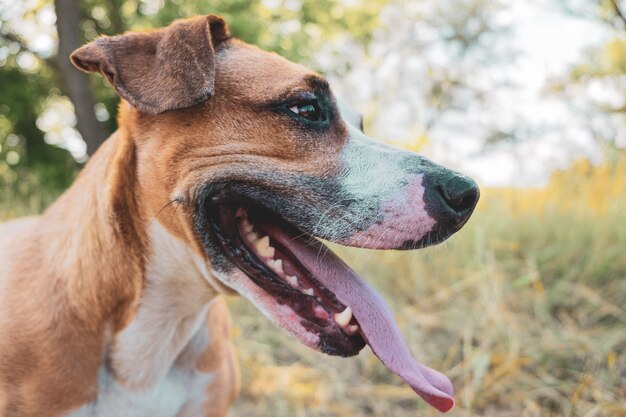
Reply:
x=75 y=83
x=610 y=12
x=425 y=67
x=596 y=86
x=22 y=146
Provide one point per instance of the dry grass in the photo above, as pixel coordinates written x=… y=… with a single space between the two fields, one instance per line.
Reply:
x=525 y=309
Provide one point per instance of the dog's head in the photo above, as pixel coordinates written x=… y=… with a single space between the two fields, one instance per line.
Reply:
x=262 y=161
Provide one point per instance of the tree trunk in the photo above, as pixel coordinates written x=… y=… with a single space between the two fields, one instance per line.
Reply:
x=76 y=83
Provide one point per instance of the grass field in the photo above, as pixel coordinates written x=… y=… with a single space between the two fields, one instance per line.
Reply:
x=525 y=309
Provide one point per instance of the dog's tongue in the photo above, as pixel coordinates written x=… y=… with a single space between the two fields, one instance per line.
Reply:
x=378 y=327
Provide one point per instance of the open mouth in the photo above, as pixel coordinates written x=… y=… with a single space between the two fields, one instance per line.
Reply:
x=315 y=289
x=255 y=240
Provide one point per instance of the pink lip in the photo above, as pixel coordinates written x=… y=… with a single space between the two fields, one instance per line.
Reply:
x=404 y=219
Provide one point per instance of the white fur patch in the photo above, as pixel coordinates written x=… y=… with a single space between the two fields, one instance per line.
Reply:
x=375 y=174
x=164 y=399
x=147 y=376
x=373 y=168
x=173 y=305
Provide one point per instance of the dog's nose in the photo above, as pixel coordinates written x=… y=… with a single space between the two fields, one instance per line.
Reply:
x=460 y=193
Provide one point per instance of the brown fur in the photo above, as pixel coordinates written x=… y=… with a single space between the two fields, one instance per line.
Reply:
x=71 y=279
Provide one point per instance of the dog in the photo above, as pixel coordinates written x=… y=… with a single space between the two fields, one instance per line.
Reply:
x=228 y=165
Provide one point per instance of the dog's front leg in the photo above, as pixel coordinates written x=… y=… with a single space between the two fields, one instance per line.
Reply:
x=218 y=364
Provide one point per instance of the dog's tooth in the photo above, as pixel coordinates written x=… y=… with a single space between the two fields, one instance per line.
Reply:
x=267 y=252
x=308 y=291
x=344 y=317
x=252 y=237
x=278 y=265
x=293 y=280
x=262 y=245
x=353 y=328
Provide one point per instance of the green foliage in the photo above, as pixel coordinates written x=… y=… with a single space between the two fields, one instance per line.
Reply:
x=23 y=151
x=603 y=66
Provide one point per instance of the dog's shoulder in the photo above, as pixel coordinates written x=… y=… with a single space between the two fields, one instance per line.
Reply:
x=14 y=228
x=12 y=234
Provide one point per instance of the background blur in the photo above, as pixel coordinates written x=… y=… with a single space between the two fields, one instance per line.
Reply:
x=525 y=308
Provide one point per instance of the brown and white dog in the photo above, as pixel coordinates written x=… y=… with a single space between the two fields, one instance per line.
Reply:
x=227 y=165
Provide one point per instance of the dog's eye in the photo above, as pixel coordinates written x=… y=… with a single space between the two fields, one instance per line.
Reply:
x=310 y=110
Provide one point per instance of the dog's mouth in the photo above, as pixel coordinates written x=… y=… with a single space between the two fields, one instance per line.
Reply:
x=256 y=241
x=312 y=291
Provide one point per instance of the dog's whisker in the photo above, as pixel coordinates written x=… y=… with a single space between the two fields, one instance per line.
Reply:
x=176 y=200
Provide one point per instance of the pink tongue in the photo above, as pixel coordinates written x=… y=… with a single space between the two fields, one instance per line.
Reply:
x=376 y=320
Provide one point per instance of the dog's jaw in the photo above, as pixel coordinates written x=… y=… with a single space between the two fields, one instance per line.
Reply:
x=241 y=283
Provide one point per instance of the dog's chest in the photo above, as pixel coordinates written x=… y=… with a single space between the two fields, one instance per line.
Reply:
x=179 y=390
x=154 y=378
x=151 y=366
x=148 y=377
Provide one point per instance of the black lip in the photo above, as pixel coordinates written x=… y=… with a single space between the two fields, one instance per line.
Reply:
x=222 y=225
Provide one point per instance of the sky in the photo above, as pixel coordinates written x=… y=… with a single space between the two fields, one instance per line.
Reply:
x=549 y=43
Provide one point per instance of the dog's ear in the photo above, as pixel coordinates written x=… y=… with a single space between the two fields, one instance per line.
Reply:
x=166 y=69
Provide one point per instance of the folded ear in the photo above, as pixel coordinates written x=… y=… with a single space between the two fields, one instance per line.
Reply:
x=165 y=69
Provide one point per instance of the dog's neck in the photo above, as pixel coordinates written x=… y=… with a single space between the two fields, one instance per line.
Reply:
x=172 y=309
x=98 y=248
x=147 y=291
x=174 y=300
